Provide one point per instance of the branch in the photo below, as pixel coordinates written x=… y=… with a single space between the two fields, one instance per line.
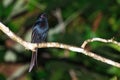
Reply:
x=32 y=46
x=100 y=40
x=14 y=37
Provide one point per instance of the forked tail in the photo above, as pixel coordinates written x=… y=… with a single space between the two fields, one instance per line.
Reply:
x=33 y=60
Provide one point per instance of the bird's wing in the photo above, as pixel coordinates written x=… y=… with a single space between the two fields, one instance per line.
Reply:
x=36 y=36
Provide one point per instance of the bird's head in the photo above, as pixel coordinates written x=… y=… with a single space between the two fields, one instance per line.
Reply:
x=42 y=21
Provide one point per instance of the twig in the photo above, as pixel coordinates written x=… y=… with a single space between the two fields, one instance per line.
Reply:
x=99 y=40
x=32 y=46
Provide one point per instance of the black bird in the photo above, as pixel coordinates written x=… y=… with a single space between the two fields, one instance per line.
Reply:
x=39 y=34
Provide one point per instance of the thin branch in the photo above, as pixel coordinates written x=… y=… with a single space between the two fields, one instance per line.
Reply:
x=99 y=40
x=32 y=46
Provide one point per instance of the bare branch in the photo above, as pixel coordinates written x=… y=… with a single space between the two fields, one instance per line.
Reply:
x=99 y=40
x=32 y=46
x=14 y=37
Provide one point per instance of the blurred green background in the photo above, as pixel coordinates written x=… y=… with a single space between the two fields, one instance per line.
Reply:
x=71 y=22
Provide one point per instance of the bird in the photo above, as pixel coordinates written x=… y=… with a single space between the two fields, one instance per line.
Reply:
x=39 y=34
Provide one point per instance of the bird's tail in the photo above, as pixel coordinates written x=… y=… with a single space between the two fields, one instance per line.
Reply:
x=33 y=60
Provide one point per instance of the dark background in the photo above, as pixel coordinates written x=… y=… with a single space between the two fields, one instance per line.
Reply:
x=71 y=22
